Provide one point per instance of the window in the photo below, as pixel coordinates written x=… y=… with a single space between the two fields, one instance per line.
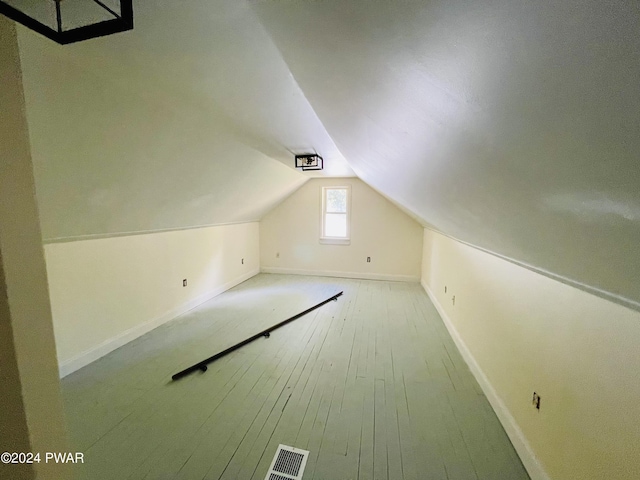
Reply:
x=335 y=215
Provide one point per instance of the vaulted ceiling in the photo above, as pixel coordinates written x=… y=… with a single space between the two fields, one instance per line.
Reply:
x=510 y=125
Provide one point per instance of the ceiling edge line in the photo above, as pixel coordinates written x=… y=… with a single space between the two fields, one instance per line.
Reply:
x=99 y=236
x=598 y=292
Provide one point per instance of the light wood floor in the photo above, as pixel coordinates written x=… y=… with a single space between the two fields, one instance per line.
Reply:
x=372 y=385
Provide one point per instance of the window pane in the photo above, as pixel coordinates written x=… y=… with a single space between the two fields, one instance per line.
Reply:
x=336 y=200
x=335 y=225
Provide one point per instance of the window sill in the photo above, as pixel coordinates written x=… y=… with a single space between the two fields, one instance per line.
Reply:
x=335 y=241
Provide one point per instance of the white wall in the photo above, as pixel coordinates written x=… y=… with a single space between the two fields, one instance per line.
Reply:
x=510 y=125
x=117 y=153
x=522 y=332
x=31 y=414
x=108 y=291
x=121 y=157
x=378 y=230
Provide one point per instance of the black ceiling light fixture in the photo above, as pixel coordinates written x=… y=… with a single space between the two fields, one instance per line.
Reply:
x=70 y=21
x=309 y=161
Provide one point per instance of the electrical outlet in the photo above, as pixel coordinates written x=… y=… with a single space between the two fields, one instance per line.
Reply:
x=453 y=300
x=184 y=282
x=242 y=261
x=445 y=289
x=368 y=259
x=535 y=401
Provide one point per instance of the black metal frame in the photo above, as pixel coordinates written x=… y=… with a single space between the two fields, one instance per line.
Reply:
x=120 y=23
x=302 y=161
x=265 y=333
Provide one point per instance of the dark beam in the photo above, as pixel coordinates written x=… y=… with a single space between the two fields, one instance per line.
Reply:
x=64 y=37
x=265 y=333
x=16 y=15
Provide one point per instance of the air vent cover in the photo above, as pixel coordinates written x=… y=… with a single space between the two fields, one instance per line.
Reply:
x=288 y=464
x=275 y=476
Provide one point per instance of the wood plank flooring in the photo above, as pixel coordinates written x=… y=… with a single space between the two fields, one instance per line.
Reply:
x=372 y=385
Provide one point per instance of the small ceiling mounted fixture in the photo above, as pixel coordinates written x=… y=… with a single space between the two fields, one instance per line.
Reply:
x=70 y=21
x=309 y=161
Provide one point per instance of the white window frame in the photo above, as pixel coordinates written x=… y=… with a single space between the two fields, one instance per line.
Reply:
x=335 y=240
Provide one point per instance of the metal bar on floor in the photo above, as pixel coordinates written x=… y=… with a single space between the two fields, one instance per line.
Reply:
x=265 y=333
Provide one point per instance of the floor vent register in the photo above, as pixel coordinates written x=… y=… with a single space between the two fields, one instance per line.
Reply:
x=288 y=464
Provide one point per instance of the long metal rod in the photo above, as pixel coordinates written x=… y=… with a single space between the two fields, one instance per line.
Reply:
x=58 y=16
x=265 y=333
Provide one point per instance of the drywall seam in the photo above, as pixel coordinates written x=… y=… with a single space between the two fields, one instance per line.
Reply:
x=331 y=273
x=94 y=353
x=529 y=460
x=99 y=236
x=612 y=297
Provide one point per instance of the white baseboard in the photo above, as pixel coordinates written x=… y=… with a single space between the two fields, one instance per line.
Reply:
x=331 y=273
x=529 y=460
x=91 y=355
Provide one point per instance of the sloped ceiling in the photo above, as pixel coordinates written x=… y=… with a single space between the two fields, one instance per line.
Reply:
x=191 y=119
x=510 y=125
x=514 y=126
